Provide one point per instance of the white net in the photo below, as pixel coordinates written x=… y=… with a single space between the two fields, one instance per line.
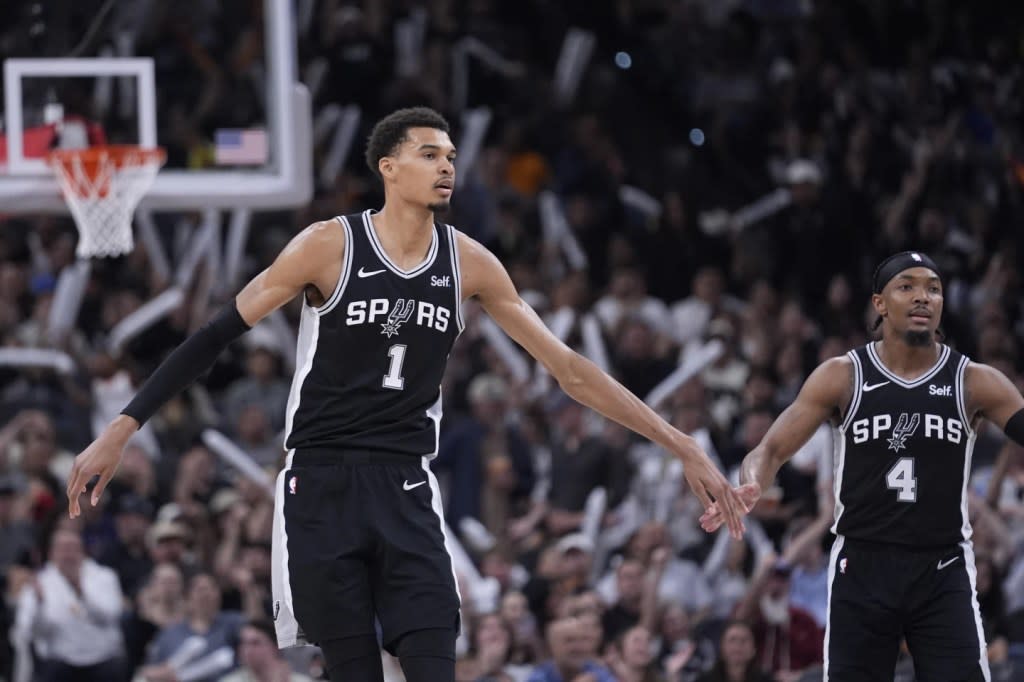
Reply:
x=102 y=187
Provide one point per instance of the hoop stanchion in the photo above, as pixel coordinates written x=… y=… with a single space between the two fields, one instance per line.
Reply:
x=102 y=186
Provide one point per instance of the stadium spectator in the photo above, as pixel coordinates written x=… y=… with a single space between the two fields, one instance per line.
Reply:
x=158 y=604
x=737 y=657
x=489 y=463
x=788 y=638
x=572 y=652
x=128 y=555
x=199 y=646
x=68 y=618
x=632 y=658
x=580 y=463
x=259 y=658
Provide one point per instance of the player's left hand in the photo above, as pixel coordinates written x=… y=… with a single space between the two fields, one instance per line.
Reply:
x=714 y=492
x=713 y=518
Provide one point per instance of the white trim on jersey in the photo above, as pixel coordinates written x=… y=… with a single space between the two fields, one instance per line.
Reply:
x=346 y=270
x=309 y=333
x=958 y=394
x=961 y=406
x=877 y=362
x=858 y=378
x=837 y=547
x=453 y=245
x=839 y=443
x=972 y=576
x=434 y=413
x=285 y=624
x=378 y=248
x=839 y=439
x=965 y=528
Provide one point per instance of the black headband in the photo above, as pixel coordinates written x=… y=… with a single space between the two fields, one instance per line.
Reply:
x=894 y=265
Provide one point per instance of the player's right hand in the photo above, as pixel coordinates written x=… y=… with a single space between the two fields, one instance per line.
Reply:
x=712 y=489
x=99 y=459
x=713 y=518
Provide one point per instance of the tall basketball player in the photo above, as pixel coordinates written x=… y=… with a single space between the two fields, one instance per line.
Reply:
x=905 y=412
x=358 y=532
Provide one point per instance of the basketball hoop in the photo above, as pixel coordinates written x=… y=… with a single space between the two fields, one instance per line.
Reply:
x=102 y=186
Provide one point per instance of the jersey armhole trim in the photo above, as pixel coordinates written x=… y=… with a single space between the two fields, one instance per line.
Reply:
x=851 y=409
x=346 y=269
x=961 y=406
x=453 y=243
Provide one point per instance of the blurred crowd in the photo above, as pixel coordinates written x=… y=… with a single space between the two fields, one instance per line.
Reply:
x=729 y=171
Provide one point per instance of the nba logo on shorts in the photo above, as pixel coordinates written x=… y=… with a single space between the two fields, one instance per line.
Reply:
x=842 y=562
x=291 y=484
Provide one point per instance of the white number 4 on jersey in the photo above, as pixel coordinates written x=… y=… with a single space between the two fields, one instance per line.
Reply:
x=901 y=478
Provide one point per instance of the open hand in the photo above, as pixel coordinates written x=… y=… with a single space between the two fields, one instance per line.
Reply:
x=714 y=492
x=677 y=661
x=99 y=459
x=713 y=518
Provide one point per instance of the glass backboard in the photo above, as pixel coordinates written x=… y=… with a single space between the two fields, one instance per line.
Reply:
x=214 y=83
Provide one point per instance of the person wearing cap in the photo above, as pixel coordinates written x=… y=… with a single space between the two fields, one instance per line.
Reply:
x=167 y=541
x=128 y=555
x=906 y=410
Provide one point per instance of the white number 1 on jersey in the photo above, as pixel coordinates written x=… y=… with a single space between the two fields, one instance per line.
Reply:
x=901 y=478
x=394 y=379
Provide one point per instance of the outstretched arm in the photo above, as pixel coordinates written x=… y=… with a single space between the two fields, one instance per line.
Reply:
x=311 y=259
x=824 y=392
x=484 y=276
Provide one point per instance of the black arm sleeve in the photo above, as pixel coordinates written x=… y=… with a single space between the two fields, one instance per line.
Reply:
x=1015 y=427
x=186 y=363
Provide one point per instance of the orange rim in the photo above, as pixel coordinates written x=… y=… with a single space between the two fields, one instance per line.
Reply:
x=91 y=161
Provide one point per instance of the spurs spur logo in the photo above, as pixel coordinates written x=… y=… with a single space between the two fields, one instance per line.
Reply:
x=905 y=428
x=398 y=316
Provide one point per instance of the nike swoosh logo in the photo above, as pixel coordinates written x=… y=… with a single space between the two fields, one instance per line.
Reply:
x=410 y=486
x=363 y=273
x=943 y=564
x=870 y=387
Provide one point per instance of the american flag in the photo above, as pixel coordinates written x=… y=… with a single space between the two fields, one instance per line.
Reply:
x=237 y=147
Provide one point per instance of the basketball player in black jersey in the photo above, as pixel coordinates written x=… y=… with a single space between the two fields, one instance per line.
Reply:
x=905 y=412
x=358 y=532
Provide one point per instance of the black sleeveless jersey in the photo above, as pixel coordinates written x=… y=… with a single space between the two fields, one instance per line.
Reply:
x=903 y=454
x=370 y=359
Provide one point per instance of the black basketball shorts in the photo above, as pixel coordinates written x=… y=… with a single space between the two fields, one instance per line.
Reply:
x=880 y=594
x=359 y=537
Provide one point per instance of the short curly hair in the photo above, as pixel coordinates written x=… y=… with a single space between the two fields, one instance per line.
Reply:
x=390 y=132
